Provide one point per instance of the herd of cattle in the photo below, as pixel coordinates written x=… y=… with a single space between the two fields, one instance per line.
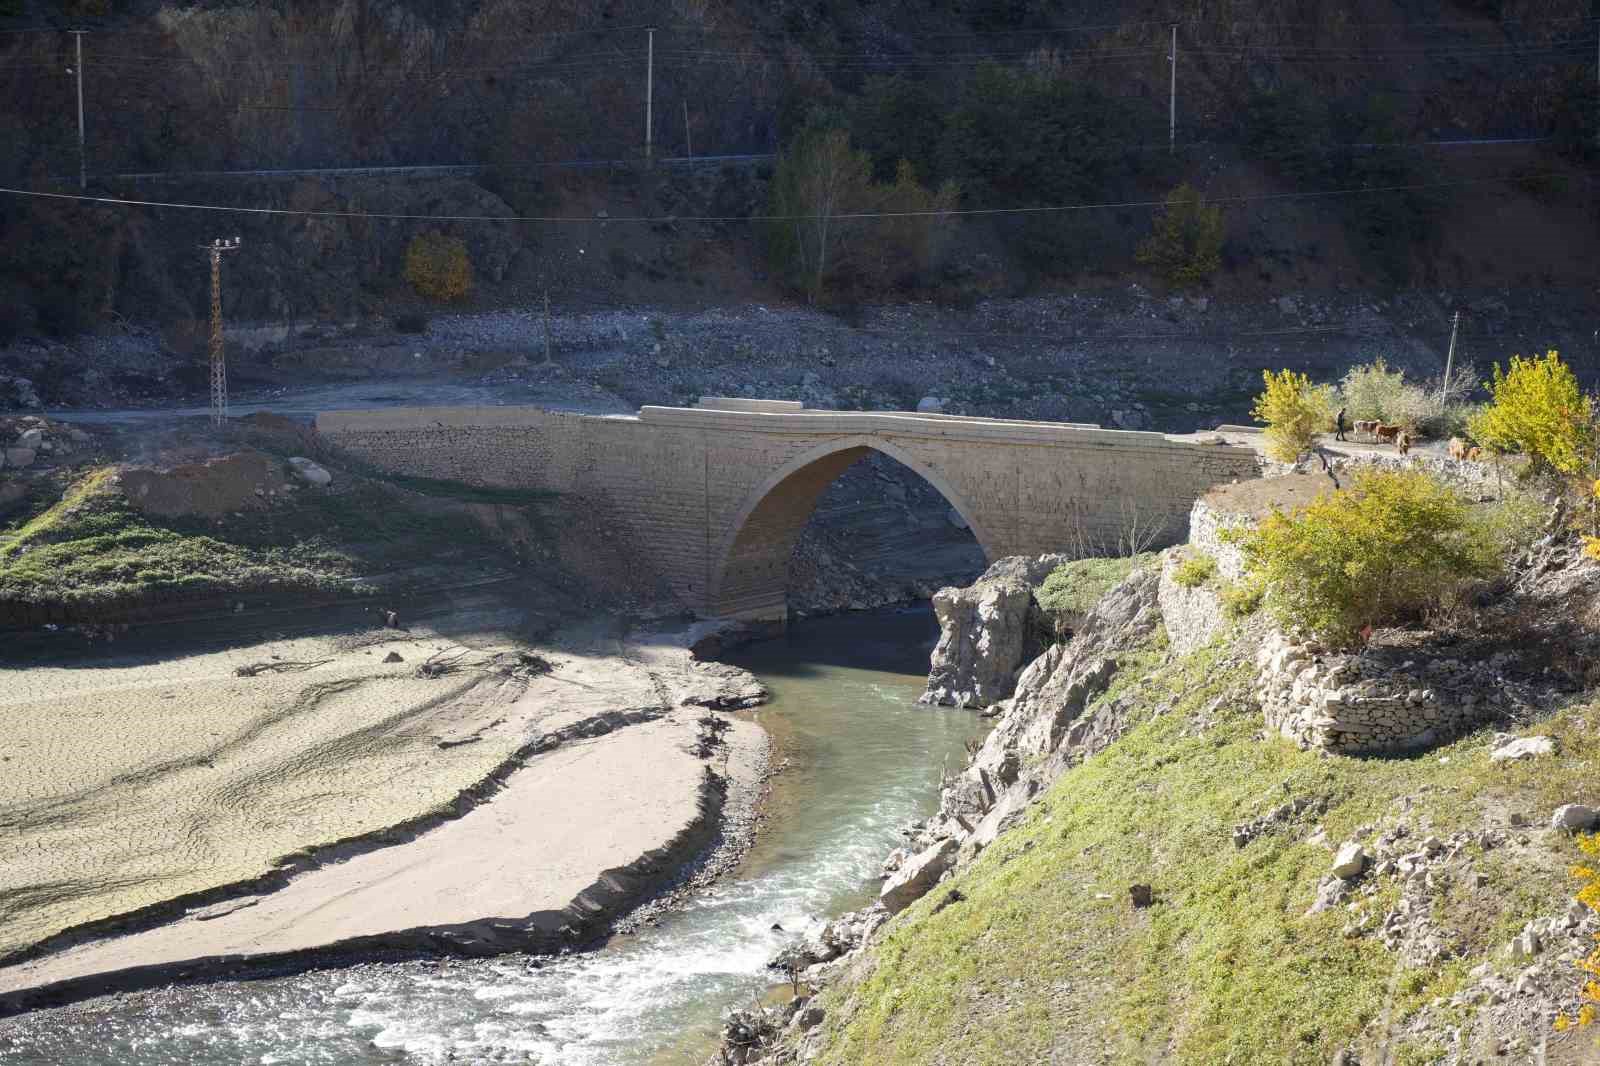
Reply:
x=1400 y=437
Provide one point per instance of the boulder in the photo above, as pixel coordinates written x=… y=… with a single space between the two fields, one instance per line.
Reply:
x=983 y=636
x=1524 y=748
x=30 y=438
x=1575 y=817
x=19 y=458
x=309 y=471
x=930 y=405
x=1349 y=863
x=919 y=874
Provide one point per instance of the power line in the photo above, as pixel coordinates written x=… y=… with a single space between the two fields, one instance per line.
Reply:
x=842 y=216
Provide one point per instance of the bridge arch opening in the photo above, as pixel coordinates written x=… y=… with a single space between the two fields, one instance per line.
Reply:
x=750 y=572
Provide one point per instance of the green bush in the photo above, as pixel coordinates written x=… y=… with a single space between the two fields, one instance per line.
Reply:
x=1185 y=245
x=1195 y=571
x=1373 y=391
x=1294 y=411
x=1378 y=553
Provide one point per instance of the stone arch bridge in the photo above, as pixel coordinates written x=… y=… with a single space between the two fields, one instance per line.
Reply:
x=714 y=497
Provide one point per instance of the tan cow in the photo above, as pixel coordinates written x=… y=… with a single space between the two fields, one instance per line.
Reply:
x=1458 y=448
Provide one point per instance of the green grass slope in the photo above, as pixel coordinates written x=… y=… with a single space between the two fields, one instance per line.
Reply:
x=1045 y=959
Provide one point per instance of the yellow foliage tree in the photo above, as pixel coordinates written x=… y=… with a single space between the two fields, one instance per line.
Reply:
x=1538 y=410
x=438 y=267
x=1589 y=896
x=1294 y=411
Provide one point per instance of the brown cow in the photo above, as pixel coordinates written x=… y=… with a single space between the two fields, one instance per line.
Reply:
x=1458 y=448
x=1386 y=433
x=1474 y=454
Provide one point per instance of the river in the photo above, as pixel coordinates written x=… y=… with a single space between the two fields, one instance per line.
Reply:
x=863 y=760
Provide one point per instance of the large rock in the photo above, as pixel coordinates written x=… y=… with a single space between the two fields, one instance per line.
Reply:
x=19 y=458
x=985 y=632
x=1576 y=817
x=1349 y=863
x=1523 y=748
x=983 y=636
x=309 y=471
x=919 y=874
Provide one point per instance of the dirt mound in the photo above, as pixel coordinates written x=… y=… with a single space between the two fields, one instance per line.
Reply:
x=245 y=480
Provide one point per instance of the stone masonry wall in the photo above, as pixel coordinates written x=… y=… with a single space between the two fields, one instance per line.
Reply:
x=1354 y=705
x=715 y=498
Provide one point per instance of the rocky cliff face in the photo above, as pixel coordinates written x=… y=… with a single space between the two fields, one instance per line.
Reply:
x=987 y=631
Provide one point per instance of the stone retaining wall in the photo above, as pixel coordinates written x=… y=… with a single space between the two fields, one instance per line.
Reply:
x=1356 y=705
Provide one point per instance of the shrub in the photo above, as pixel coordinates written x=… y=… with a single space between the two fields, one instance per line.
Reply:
x=1185 y=246
x=1536 y=408
x=1294 y=411
x=1194 y=571
x=1378 y=553
x=438 y=267
x=1373 y=391
x=1242 y=598
x=1072 y=588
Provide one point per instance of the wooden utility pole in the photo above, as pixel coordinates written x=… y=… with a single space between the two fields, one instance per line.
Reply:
x=219 y=367
x=1450 y=358
x=83 y=159
x=688 y=141
x=649 y=95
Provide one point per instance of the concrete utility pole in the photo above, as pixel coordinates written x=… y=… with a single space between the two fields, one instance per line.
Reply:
x=219 y=367
x=1450 y=358
x=83 y=159
x=649 y=95
x=1172 y=105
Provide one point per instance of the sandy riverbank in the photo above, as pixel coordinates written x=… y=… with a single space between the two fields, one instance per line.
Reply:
x=248 y=816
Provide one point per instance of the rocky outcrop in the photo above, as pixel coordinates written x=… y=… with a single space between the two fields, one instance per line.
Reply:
x=1048 y=724
x=986 y=632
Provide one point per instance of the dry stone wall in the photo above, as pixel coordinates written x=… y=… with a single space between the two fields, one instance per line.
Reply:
x=1358 y=705
x=715 y=497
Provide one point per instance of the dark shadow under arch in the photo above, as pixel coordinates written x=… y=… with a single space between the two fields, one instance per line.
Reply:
x=750 y=566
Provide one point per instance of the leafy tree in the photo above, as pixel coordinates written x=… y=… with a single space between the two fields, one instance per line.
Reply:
x=1537 y=409
x=438 y=267
x=1185 y=246
x=907 y=244
x=1380 y=552
x=819 y=178
x=1294 y=411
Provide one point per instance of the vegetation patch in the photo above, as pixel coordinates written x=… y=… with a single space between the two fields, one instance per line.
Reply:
x=1380 y=552
x=1044 y=960
x=1195 y=570
x=94 y=552
x=1072 y=588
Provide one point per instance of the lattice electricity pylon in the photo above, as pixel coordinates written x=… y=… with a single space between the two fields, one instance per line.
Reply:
x=219 y=366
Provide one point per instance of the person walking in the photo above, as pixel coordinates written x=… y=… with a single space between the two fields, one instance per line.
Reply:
x=1338 y=424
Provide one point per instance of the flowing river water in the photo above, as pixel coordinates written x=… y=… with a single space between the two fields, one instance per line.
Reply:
x=863 y=760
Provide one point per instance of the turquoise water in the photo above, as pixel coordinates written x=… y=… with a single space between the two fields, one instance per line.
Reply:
x=864 y=759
